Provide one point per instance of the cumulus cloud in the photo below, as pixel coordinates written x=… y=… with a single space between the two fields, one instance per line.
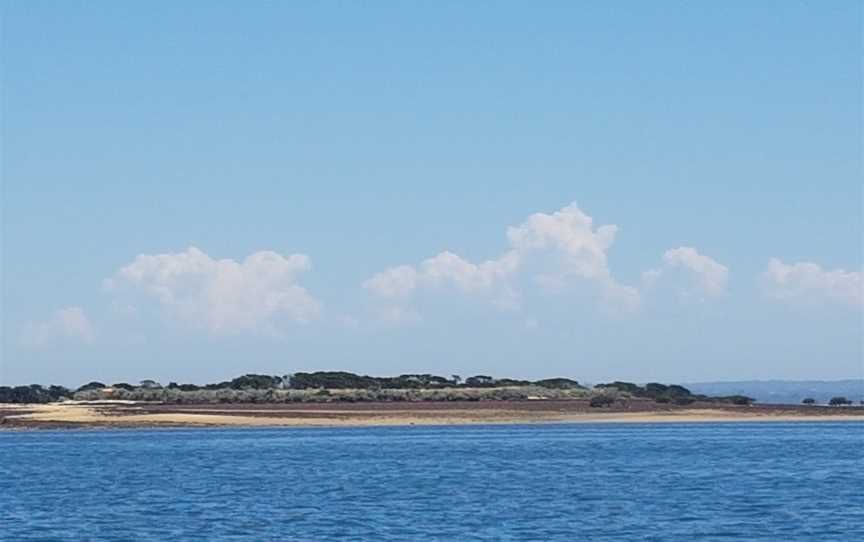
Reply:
x=710 y=276
x=568 y=233
x=394 y=282
x=69 y=324
x=807 y=281
x=447 y=267
x=571 y=233
x=223 y=296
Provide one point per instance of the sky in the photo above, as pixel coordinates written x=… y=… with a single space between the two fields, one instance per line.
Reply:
x=644 y=191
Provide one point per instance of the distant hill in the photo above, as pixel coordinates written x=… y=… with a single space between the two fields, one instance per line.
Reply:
x=784 y=391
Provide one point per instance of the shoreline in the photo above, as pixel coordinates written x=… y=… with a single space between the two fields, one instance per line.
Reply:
x=132 y=415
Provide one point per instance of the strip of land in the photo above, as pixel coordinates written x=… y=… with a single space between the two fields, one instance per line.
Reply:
x=129 y=414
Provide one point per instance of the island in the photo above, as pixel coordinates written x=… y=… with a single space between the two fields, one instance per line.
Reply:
x=338 y=398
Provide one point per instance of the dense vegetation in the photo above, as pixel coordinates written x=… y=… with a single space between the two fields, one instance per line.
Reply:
x=679 y=395
x=33 y=394
x=330 y=386
x=327 y=386
x=312 y=395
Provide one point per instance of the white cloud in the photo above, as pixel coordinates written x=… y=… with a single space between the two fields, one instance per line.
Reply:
x=711 y=277
x=807 y=281
x=445 y=268
x=223 y=296
x=571 y=233
x=69 y=324
x=394 y=282
x=568 y=233
x=468 y=277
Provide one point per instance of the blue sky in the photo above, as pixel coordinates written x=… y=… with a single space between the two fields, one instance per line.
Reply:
x=366 y=137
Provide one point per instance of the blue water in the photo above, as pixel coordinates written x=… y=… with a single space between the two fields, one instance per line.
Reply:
x=562 y=482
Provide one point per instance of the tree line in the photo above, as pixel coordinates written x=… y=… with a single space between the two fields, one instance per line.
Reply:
x=834 y=401
x=675 y=394
x=320 y=380
x=327 y=386
x=331 y=380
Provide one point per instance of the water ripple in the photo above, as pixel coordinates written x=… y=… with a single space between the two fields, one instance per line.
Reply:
x=565 y=482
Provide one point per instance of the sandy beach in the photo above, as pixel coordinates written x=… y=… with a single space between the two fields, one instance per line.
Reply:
x=140 y=415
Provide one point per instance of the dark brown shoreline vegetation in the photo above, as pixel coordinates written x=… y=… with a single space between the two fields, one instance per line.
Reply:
x=347 y=399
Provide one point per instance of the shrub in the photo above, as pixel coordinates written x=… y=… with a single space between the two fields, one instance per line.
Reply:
x=627 y=387
x=332 y=380
x=559 y=384
x=33 y=394
x=600 y=401
x=479 y=381
x=150 y=384
x=92 y=386
x=255 y=382
x=809 y=401
x=655 y=390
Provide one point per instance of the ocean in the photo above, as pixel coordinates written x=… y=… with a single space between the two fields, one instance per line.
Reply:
x=598 y=482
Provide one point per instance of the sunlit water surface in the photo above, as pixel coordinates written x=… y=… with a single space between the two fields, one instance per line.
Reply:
x=758 y=481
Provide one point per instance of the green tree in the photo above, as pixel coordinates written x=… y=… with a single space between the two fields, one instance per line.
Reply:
x=627 y=387
x=480 y=381
x=736 y=399
x=148 y=384
x=600 y=401
x=92 y=386
x=558 y=384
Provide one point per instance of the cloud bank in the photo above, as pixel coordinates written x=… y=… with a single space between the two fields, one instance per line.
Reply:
x=223 y=296
x=549 y=252
x=808 y=282
x=568 y=234
x=710 y=276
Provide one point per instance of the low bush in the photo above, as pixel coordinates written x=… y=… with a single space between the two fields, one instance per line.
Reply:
x=228 y=395
x=600 y=401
